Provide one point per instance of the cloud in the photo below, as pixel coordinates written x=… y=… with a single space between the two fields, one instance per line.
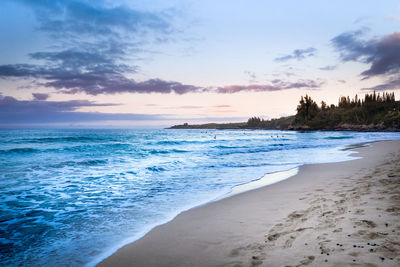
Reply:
x=298 y=54
x=383 y=54
x=252 y=77
x=391 y=84
x=74 y=19
x=74 y=71
x=276 y=85
x=102 y=79
x=329 y=67
x=94 y=73
x=88 y=59
x=222 y=106
x=361 y=19
x=98 y=39
x=8 y=103
x=13 y=112
x=39 y=96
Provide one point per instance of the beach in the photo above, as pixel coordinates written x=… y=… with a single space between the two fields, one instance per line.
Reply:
x=329 y=214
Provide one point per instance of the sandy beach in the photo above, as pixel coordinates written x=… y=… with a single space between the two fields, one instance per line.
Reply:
x=335 y=214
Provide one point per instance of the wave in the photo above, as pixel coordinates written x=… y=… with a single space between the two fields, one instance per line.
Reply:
x=278 y=145
x=268 y=148
x=130 y=180
x=155 y=169
x=19 y=150
x=59 y=139
x=338 y=137
x=165 y=151
x=229 y=147
x=110 y=147
x=92 y=162
x=178 y=151
x=243 y=165
x=70 y=163
x=169 y=142
x=181 y=142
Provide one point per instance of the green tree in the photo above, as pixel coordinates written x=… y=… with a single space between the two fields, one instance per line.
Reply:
x=306 y=110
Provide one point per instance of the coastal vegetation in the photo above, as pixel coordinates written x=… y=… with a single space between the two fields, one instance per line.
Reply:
x=375 y=111
x=372 y=113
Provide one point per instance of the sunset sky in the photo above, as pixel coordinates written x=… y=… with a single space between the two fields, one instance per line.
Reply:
x=154 y=63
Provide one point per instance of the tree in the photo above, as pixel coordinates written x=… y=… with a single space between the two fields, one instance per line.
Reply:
x=323 y=105
x=254 y=122
x=306 y=110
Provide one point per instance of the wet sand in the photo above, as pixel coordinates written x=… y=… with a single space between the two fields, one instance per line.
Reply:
x=331 y=214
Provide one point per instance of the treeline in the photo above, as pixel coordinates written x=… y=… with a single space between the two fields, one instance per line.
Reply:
x=258 y=123
x=375 y=110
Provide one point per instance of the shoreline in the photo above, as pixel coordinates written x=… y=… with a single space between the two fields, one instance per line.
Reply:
x=254 y=184
x=238 y=189
x=347 y=128
x=169 y=232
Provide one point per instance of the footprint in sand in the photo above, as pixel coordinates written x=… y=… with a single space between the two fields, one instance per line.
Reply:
x=366 y=223
x=273 y=237
x=393 y=209
x=307 y=261
x=359 y=212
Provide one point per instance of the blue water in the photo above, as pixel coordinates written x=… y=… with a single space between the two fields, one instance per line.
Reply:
x=71 y=197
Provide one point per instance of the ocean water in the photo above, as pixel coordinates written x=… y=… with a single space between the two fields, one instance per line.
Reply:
x=72 y=197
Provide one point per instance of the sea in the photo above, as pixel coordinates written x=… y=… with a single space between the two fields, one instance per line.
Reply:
x=72 y=197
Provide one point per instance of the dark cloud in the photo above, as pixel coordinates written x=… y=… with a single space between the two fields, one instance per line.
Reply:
x=39 y=96
x=391 y=84
x=10 y=103
x=98 y=38
x=276 y=85
x=329 y=67
x=298 y=54
x=383 y=54
x=89 y=60
x=96 y=32
x=74 y=19
x=13 y=111
x=93 y=73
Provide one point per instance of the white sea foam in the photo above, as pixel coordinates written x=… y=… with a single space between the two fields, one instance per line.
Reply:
x=267 y=179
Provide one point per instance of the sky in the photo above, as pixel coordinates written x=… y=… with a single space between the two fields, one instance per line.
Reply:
x=155 y=63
